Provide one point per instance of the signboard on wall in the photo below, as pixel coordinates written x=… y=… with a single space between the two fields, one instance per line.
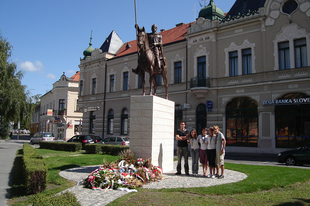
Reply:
x=286 y=101
x=91 y=109
x=209 y=106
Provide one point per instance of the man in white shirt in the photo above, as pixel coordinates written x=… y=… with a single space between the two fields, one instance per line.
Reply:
x=220 y=150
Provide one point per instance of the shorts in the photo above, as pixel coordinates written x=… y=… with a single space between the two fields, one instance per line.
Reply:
x=219 y=159
x=203 y=157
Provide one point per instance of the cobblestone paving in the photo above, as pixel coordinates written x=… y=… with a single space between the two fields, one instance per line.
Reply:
x=95 y=197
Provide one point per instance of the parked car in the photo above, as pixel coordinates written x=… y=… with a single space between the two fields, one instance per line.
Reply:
x=116 y=140
x=42 y=136
x=298 y=156
x=85 y=139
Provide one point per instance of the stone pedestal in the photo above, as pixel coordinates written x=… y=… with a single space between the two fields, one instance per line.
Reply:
x=152 y=130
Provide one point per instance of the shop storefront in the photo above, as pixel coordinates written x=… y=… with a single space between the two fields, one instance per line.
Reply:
x=292 y=120
x=242 y=122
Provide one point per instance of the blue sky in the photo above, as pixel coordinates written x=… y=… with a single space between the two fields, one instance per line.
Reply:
x=49 y=36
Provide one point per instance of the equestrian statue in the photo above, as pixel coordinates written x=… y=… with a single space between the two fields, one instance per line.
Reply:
x=151 y=58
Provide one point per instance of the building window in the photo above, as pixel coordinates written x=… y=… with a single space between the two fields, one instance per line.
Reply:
x=92 y=123
x=112 y=83
x=239 y=58
x=94 y=85
x=61 y=104
x=233 y=63
x=124 y=122
x=76 y=105
x=139 y=82
x=110 y=121
x=292 y=122
x=246 y=61
x=125 y=81
x=201 y=71
x=159 y=80
x=177 y=72
x=242 y=122
x=300 y=53
x=81 y=87
x=290 y=47
x=289 y=7
x=284 y=55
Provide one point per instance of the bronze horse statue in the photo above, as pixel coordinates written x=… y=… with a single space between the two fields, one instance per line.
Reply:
x=147 y=63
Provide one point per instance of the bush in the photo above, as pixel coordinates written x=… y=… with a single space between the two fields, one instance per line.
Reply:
x=35 y=170
x=93 y=148
x=113 y=149
x=61 y=146
x=65 y=198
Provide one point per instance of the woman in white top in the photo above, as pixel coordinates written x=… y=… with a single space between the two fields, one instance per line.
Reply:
x=211 y=152
x=193 y=141
x=202 y=139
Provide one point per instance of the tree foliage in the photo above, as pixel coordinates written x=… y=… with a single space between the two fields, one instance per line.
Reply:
x=14 y=105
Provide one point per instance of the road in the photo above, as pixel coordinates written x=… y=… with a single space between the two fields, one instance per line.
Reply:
x=7 y=155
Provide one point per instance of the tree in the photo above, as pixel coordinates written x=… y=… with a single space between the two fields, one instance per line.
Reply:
x=13 y=105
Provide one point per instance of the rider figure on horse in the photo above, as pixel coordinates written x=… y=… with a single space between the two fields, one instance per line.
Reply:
x=156 y=45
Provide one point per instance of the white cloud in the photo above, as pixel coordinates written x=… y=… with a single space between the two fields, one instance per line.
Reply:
x=51 y=76
x=31 y=67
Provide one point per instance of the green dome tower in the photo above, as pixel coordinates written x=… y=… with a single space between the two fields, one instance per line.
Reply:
x=211 y=12
x=87 y=52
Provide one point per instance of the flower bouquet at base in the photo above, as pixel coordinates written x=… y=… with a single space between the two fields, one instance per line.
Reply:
x=124 y=173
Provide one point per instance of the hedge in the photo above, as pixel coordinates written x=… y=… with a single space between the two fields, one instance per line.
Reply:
x=61 y=146
x=93 y=148
x=105 y=149
x=113 y=149
x=34 y=169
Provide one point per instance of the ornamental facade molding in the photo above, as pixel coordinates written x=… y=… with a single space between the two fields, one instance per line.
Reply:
x=274 y=9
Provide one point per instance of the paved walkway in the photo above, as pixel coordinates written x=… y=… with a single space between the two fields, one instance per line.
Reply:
x=87 y=196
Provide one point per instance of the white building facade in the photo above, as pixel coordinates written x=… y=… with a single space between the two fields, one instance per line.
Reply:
x=59 y=112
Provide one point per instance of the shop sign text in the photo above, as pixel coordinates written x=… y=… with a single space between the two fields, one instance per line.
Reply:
x=287 y=101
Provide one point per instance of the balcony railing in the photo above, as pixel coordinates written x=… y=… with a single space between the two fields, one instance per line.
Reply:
x=200 y=82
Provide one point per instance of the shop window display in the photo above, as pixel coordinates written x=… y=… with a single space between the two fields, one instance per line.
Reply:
x=292 y=123
x=242 y=122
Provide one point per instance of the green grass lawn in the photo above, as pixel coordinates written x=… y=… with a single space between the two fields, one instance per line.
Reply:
x=265 y=185
x=56 y=161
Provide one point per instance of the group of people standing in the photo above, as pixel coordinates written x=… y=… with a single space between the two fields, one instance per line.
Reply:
x=209 y=147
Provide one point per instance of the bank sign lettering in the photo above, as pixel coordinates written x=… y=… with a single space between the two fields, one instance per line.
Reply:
x=286 y=101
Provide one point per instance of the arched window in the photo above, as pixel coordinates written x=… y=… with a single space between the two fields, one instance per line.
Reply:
x=242 y=122
x=289 y=7
x=292 y=121
x=124 y=122
x=110 y=121
x=178 y=117
x=201 y=117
